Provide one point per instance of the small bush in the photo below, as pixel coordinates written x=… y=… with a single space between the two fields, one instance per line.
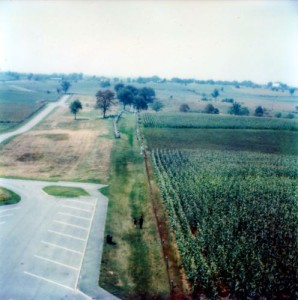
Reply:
x=184 y=108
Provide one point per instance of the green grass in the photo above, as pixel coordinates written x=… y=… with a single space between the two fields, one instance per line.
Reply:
x=134 y=268
x=66 y=192
x=8 y=197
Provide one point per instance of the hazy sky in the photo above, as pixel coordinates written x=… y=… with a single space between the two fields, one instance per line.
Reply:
x=226 y=40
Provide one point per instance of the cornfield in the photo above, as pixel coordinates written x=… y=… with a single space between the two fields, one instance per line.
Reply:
x=234 y=215
x=197 y=120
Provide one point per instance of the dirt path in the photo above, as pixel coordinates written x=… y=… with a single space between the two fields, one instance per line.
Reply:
x=39 y=117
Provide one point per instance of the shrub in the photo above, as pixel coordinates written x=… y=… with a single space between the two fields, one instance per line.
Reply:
x=184 y=108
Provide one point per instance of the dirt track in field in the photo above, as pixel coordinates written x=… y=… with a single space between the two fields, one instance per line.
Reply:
x=60 y=148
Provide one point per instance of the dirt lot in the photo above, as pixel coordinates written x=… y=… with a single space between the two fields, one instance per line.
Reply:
x=62 y=148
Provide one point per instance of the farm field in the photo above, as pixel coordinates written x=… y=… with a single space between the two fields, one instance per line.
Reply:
x=174 y=94
x=20 y=99
x=223 y=163
x=232 y=198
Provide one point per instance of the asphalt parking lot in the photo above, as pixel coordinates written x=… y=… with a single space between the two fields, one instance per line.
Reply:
x=51 y=247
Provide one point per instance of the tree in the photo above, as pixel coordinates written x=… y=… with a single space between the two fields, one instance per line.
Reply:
x=118 y=87
x=105 y=83
x=125 y=96
x=75 y=106
x=215 y=93
x=210 y=109
x=244 y=111
x=237 y=109
x=278 y=115
x=139 y=103
x=292 y=91
x=148 y=94
x=290 y=116
x=104 y=100
x=65 y=85
x=157 y=105
x=184 y=108
x=259 y=111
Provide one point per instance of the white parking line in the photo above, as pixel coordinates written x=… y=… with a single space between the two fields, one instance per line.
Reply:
x=68 y=235
x=61 y=247
x=73 y=207
x=9 y=209
x=1 y=216
x=49 y=280
x=72 y=225
x=71 y=215
x=56 y=262
x=78 y=201
x=81 y=263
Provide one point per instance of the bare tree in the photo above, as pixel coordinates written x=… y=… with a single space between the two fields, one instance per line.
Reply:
x=104 y=100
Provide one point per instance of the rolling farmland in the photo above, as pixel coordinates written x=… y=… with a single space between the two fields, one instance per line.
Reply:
x=19 y=100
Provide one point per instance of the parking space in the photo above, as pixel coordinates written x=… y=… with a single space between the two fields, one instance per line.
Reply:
x=7 y=213
x=44 y=241
x=63 y=247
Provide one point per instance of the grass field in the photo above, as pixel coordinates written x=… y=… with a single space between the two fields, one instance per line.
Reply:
x=62 y=148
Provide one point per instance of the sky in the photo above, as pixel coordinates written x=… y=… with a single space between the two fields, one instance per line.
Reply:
x=220 y=40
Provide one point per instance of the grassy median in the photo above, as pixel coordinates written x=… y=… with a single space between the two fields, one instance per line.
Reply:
x=65 y=191
x=8 y=197
x=134 y=267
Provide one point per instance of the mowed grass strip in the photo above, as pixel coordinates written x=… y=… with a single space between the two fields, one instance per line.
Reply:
x=65 y=191
x=134 y=267
x=8 y=197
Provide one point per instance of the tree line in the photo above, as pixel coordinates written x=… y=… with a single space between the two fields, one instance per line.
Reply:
x=139 y=99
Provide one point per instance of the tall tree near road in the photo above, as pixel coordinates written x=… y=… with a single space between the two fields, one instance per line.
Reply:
x=104 y=100
x=75 y=106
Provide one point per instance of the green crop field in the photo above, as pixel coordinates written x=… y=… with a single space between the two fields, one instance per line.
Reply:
x=195 y=120
x=231 y=195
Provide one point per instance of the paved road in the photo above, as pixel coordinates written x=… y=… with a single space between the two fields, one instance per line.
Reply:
x=34 y=121
x=51 y=247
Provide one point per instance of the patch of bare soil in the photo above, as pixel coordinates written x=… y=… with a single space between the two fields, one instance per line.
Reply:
x=72 y=151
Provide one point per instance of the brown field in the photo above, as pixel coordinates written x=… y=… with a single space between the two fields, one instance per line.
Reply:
x=61 y=148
